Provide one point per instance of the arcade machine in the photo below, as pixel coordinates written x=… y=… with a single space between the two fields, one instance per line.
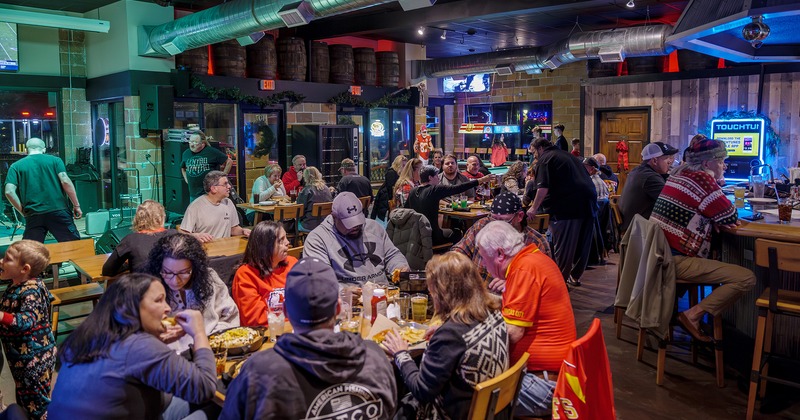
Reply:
x=744 y=140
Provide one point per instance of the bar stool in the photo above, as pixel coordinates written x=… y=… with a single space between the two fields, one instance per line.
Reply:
x=775 y=256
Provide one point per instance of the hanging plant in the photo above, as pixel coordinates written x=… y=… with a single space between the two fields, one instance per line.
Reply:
x=236 y=94
x=771 y=141
x=346 y=98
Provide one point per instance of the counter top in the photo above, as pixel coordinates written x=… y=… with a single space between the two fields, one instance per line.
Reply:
x=767 y=228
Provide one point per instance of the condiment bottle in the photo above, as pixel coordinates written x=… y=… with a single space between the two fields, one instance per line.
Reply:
x=379 y=303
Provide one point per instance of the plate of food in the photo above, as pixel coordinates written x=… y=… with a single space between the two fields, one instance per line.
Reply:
x=285 y=203
x=238 y=340
x=409 y=333
x=761 y=200
x=267 y=203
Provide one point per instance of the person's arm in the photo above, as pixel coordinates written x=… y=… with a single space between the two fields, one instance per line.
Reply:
x=69 y=188
x=117 y=259
x=441 y=191
x=13 y=198
x=252 y=307
x=183 y=172
x=26 y=317
x=515 y=333
x=466 y=245
x=227 y=167
x=395 y=260
x=314 y=245
x=541 y=193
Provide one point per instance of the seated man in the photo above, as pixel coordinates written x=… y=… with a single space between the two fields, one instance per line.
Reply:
x=606 y=173
x=690 y=207
x=213 y=214
x=645 y=182
x=353 y=182
x=451 y=176
x=593 y=168
x=293 y=177
x=536 y=308
x=506 y=207
x=358 y=249
x=313 y=372
x=425 y=199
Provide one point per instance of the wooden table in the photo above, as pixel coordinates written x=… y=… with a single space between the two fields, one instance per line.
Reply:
x=474 y=214
x=234 y=245
x=90 y=268
x=260 y=211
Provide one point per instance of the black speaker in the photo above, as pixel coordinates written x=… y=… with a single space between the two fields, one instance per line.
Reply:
x=156 y=104
x=109 y=241
x=176 y=194
x=173 y=153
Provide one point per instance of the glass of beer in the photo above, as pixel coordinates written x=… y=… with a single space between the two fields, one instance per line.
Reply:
x=419 y=307
x=738 y=192
x=220 y=357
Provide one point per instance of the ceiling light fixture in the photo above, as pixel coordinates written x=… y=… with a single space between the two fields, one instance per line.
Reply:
x=444 y=34
x=631 y=4
x=23 y=17
x=421 y=30
x=756 y=31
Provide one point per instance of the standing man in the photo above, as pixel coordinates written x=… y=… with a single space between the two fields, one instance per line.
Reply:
x=561 y=141
x=451 y=176
x=353 y=182
x=213 y=215
x=565 y=192
x=42 y=180
x=645 y=182
x=199 y=160
x=536 y=308
x=293 y=177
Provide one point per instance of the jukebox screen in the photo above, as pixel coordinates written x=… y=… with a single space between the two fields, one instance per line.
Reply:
x=742 y=137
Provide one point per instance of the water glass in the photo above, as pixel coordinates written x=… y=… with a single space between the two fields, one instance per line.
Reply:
x=276 y=322
x=758 y=186
x=353 y=324
x=419 y=307
x=404 y=302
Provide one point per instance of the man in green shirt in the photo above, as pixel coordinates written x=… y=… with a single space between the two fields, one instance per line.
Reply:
x=35 y=186
x=199 y=160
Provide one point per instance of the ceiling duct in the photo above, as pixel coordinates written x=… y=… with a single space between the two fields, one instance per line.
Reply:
x=637 y=41
x=233 y=19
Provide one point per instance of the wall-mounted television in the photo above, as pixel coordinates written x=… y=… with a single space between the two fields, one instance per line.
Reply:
x=473 y=83
x=9 y=55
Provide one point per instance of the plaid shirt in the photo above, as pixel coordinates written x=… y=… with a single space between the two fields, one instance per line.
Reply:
x=468 y=247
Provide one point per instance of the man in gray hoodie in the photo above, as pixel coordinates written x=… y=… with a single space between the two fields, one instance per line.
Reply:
x=358 y=249
x=314 y=373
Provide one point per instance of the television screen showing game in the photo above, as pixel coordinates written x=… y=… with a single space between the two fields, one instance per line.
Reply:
x=473 y=83
x=742 y=137
x=9 y=56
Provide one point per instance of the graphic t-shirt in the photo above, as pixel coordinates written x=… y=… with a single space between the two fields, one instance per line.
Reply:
x=38 y=186
x=198 y=164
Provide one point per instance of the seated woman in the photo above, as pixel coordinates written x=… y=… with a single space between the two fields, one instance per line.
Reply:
x=514 y=179
x=181 y=263
x=115 y=365
x=148 y=228
x=470 y=347
x=409 y=178
x=264 y=267
x=268 y=186
x=315 y=191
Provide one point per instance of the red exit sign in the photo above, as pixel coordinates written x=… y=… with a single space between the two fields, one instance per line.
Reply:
x=266 y=85
x=355 y=90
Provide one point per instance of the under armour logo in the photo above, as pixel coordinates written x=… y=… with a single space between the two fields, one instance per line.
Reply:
x=370 y=255
x=352 y=209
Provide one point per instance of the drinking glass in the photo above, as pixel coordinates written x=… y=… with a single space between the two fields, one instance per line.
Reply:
x=353 y=324
x=758 y=186
x=220 y=358
x=785 y=212
x=276 y=322
x=419 y=307
x=738 y=192
x=404 y=302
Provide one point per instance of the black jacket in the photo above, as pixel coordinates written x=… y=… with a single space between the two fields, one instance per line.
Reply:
x=425 y=199
x=381 y=206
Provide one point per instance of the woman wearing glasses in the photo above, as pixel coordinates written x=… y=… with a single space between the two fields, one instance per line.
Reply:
x=182 y=265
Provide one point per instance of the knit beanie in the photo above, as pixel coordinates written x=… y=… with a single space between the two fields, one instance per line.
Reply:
x=702 y=149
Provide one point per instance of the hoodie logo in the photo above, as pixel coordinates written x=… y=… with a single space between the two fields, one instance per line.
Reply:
x=351 y=210
x=370 y=256
x=345 y=401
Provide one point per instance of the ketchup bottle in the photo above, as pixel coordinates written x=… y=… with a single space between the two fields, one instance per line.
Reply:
x=379 y=303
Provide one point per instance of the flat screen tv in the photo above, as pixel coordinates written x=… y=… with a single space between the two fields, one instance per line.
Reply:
x=9 y=56
x=473 y=83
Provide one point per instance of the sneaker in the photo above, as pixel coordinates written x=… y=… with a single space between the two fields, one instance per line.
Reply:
x=572 y=282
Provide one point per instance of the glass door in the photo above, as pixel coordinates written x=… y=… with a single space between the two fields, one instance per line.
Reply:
x=379 y=144
x=110 y=153
x=261 y=131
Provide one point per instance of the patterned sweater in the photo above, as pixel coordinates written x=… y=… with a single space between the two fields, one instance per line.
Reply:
x=690 y=204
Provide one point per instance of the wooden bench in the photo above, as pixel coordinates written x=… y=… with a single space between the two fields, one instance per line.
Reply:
x=62 y=252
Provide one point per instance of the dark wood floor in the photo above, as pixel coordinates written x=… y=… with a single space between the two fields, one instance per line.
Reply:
x=689 y=391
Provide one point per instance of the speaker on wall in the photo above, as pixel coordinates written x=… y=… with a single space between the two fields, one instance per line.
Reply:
x=176 y=194
x=173 y=153
x=156 y=103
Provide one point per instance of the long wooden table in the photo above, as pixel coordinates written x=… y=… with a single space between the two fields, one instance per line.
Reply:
x=260 y=211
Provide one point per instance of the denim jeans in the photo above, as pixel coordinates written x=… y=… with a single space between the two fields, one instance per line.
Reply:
x=535 y=397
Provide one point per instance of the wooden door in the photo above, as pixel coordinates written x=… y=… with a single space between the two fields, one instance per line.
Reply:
x=633 y=126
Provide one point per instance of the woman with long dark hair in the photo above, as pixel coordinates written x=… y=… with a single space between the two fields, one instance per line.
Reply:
x=264 y=267
x=181 y=263
x=116 y=366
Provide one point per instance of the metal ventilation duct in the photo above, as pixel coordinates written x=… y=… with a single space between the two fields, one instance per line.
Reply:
x=234 y=19
x=626 y=42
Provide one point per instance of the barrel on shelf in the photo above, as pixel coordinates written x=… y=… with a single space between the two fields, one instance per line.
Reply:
x=599 y=69
x=645 y=65
x=319 y=65
x=195 y=60
x=364 y=65
x=689 y=60
x=262 y=60
x=388 y=65
x=292 y=64
x=229 y=58
x=341 y=56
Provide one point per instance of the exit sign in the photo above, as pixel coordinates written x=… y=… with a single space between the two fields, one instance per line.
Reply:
x=355 y=90
x=266 y=85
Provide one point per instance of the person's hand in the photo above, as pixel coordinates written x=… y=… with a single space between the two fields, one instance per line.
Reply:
x=172 y=334
x=430 y=331
x=485 y=179
x=76 y=212
x=394 y=343
x=277 y=184
x=191 y=321
x=204 y=237
x=531 y=212
x=497 y=286
x=246 y=232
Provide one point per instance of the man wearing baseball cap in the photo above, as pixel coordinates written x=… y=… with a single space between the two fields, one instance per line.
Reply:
x=646 y=181
x=358 y=249
x=353 y=182
x=314 y=372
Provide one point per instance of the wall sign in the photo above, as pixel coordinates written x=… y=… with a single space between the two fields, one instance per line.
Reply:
x=742 y=137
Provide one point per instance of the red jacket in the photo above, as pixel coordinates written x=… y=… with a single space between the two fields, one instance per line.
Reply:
x=290 y=180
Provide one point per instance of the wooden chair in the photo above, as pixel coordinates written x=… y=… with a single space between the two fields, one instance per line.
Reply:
x=441 y=249
x=73 y=295
x=616 y=220
x=62 y=252
x=540 y=222
x=497 y=394
x=776 y=257
x=481 y=152
x=296 y=252
x=365 y=200
x=321 y=209
x=290 y=214
x=520 y=153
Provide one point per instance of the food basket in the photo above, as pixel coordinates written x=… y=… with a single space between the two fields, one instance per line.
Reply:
x=252 y=346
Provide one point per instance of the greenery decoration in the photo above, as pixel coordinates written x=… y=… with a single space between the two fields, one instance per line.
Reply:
x=346 y=98
x=236 y=94
x=772 y=141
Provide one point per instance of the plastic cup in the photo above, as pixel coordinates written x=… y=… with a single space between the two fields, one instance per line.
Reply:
x=221 y=357
x=419 y=307
x=738 y=192
x=276 y=324
x=404 y=301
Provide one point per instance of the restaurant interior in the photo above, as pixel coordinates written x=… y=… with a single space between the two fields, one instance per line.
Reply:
x=115 y=88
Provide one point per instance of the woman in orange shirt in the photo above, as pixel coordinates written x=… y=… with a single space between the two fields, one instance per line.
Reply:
x=264 y=267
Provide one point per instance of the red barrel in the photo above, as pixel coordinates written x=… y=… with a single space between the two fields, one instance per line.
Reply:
x=229 y=58
x=341 y=64
x=262 y=61
x=364 y=65
x=388 y=64
x=195 y=60
x=319 y=64
x=292 y=63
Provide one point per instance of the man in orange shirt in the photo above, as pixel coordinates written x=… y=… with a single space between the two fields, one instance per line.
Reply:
x=536 y=308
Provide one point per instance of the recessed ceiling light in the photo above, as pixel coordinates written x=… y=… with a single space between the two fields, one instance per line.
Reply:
x=421 y=30
x=631 y=3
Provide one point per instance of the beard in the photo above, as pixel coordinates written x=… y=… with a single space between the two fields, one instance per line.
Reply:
x=355 y=235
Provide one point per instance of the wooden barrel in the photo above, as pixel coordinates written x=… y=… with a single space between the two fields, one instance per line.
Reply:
x=195 y=60
x=388 y=65
x=645 y=65
x=229 y=58
x=319 y=63
x=689 y=60
x=341 y=64
x=600 y=69
x=364 y=66
x=262 y=61
x=292 y=64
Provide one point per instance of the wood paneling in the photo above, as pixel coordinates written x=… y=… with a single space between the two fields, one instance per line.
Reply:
x=681 y=108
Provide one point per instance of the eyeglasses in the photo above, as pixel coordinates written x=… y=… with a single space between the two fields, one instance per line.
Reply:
x=170 y=275
x=226 y=184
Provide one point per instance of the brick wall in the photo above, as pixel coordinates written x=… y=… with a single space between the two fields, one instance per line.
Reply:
x=75 y=110
x=311 y=113
x=137 y=148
